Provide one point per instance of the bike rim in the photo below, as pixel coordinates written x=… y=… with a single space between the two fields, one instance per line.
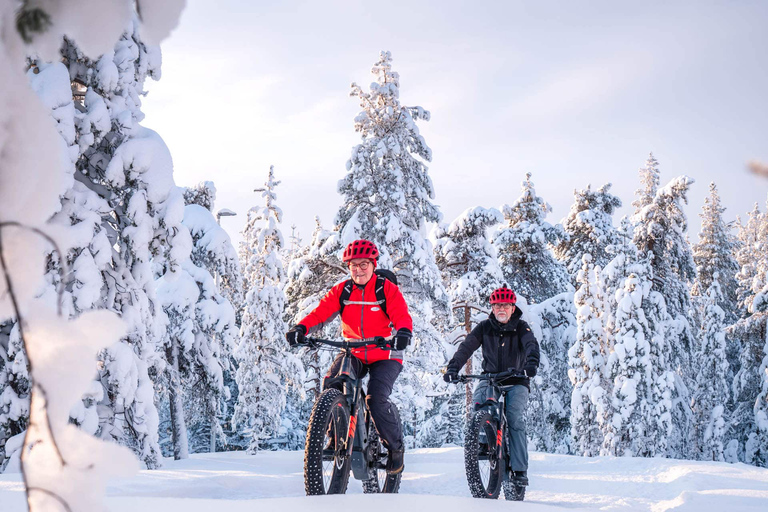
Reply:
x=487 y=465
x=334 y=436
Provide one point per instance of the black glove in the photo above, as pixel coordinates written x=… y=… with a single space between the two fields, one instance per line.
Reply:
x=402 y=338
x=451 y=376
x=297 y=335
x=530 y=371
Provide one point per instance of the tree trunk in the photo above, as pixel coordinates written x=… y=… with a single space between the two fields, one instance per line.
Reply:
x=178 y=424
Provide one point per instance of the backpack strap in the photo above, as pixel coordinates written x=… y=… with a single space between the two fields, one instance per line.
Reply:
x=346 y=293
x=381 y=299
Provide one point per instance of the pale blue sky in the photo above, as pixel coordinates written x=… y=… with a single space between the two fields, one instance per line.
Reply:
x=574 y=92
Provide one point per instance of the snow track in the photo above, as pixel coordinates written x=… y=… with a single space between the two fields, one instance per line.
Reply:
x=433 y=480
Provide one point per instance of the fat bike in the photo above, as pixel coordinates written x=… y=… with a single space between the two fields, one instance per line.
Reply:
x=486 y=444
x=341 y=435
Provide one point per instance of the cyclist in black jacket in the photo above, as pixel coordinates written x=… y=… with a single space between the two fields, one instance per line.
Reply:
x=507 y=343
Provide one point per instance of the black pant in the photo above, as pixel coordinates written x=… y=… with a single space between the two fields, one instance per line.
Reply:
x=385 y=414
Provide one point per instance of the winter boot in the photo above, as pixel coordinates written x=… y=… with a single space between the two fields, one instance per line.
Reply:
x=395 y=462
x=520 y=478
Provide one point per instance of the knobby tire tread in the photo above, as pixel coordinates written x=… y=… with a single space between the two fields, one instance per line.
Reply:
x=313 y=449
x=471 y=461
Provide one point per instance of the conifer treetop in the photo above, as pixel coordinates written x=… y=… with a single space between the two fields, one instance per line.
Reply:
x=649 y=180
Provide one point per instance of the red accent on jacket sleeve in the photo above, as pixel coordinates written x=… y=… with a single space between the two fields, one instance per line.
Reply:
x=397 y=309
x=328 y=307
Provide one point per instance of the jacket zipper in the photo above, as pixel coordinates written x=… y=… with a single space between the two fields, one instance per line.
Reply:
x=362 y=313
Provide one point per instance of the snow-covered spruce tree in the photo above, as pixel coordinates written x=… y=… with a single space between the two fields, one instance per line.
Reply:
x=466 y=258
x=129 y=168
x=523 y=246
x=200 y=334
x=202 y=194
x=549 y=407
x=14 y=390
x=589 y=229
x=590 y=406
x=748 y=258
x=712 y=392
x=470 y=271
x=642 y=382
x=67 y=467
x=760 y=454
x=714 y=254
x=387 y=198
x=661 y=231
x=748 y=443
x=650 y=179
x=266 y=368
x=631 y=372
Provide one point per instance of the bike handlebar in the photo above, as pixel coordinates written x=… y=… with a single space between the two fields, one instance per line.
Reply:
x=492 y=376
x=379 y=341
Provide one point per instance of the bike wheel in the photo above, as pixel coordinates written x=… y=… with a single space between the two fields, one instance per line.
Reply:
x=482 y=457
x=326 y=465
x=378 y=480
x=513 y=492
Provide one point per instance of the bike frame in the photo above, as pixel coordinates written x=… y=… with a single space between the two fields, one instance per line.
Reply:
x=498 y=409
x=352 y=389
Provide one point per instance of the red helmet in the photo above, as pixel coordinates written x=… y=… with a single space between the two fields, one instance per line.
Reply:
x=360 y=249
x=503 y=295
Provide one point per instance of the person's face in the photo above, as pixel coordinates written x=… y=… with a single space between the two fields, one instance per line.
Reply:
x=361 y=270
x=503 y=312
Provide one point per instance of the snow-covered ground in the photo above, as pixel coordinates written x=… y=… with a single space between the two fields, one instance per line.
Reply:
x=434 y=481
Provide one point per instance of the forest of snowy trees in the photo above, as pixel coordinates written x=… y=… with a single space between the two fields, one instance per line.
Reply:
x=651 y=345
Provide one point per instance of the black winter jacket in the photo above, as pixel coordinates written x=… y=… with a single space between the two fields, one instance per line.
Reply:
x=505 y=346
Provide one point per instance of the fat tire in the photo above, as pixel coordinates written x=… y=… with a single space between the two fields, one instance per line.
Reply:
x=373 y=486
x=329 y=401
x=482 y=420
x=513 y=492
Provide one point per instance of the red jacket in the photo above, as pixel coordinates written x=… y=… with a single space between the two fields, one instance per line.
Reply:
x=363 y=318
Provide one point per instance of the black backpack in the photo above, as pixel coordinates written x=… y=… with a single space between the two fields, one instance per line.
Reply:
x=382 y=275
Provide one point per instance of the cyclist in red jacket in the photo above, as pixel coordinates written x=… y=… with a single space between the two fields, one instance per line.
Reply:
x=365 y=316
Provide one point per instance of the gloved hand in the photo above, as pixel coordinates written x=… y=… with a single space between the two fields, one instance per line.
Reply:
x=297 y=335
x=402 y=338
x=530 y=371
x=451 y=376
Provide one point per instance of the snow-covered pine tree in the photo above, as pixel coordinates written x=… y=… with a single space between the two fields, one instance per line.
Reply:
x=661 y=231
x=714 y=254
x=712 y=392
x=760 y=453
x=387 y=198
x=590 y=404
x=128 y=169
x=650 y=179
x=748 y=443
x=14 y=389
x=200 y=334
x=266 y=366
x=589 y=229
x=630 y=370
x=523 y=246
x=64 y=467
x=466 y=258
x=641 y=379
x=747 y=259
x=203 y=194
x=549 y=407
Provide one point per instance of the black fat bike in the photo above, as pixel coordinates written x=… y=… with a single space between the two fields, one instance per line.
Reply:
x=486 y=444
x=341 y=434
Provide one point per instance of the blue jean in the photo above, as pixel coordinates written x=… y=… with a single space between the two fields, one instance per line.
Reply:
x=517 y=400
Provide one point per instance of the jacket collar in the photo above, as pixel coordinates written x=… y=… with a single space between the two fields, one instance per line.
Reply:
x=509 y=326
